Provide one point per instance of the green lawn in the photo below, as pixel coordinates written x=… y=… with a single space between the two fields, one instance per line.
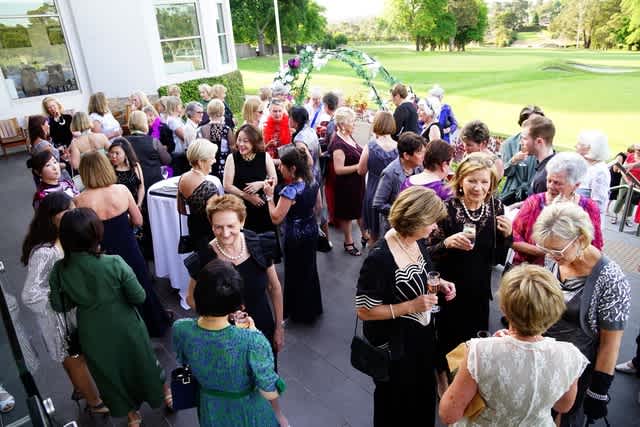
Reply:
x=494 y=84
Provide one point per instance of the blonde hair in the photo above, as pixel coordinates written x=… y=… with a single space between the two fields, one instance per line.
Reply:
x=344 y=115
x=227 y=202
x=173 y=104
x=48 y=99
x=203 y=87
x=250 y=107
x=201 y=149
x=80 y=122
x=96 y=170
x=472 y=163
x=415 y=208
x=566 y=221
x=138 y=121
x=174 y=90
x=98 y=104
x=531 y=299
x=265 y=94
x=142 y=97
x=161 y=105
x=215 y=108
x=218 y=91
x=150 y=109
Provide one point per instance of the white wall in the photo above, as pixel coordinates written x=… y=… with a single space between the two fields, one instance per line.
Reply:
x=115 y=48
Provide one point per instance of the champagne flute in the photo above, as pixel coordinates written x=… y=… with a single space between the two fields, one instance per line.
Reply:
x=433 y=285
x=469 y=230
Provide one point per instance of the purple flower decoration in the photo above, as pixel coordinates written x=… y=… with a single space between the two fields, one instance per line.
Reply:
x=294 y=63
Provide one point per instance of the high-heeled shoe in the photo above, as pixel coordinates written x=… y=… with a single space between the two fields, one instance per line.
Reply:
x=98 y=410
x=76 y=396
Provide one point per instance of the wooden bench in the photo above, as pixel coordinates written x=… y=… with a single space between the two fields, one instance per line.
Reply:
x=12 y=135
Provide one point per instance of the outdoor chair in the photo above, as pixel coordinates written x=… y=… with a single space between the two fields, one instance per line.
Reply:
x=11 y=135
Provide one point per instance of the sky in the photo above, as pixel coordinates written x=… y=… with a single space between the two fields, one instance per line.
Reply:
x=346 y=10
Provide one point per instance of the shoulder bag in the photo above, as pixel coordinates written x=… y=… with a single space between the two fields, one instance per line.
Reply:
x=369 y=359
x=185 y=243
x=184 y=388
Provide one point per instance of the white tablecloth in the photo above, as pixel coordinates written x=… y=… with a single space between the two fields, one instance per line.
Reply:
x=163 y=218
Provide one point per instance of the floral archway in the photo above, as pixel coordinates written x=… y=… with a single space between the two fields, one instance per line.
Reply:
x=297 y=72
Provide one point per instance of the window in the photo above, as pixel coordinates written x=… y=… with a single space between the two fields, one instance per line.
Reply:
x=180 y=37
x=33 y=52
x=222 y=35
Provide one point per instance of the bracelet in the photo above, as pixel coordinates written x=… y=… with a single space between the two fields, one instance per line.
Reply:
x=393 y=315
x=594 y=395
x=268 y=198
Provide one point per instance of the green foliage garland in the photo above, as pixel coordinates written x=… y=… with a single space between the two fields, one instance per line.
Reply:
x=231 y=81
x=298 y=70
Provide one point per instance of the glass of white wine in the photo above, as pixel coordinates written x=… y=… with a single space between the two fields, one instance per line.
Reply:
x=469 y=230
x=433 y=286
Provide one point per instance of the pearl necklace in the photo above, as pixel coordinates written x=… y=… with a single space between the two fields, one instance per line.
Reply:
x=466 y=211
x=226 y=255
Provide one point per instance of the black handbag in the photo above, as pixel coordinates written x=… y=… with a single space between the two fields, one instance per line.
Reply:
x=185 y=243
x=323 y=244
x=184 y=388
x=369 y=359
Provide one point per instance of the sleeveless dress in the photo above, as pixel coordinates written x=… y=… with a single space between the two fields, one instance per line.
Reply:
x=230 y=364
x=378 y=160
x=119 y=239
x=218 y=134
x=348 y=189
x=199 y=226
x=258 y=218
x=302 y=296
x=130 y=180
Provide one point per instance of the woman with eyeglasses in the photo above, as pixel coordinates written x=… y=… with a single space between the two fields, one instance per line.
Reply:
x=252 y=111
x=597 y=295
x=473 y=237
x=564 y=174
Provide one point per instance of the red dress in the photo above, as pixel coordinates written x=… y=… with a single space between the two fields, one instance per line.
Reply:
x=278 y=131
x=348 y=189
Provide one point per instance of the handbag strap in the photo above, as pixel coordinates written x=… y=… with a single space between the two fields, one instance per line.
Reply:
x=179 y=196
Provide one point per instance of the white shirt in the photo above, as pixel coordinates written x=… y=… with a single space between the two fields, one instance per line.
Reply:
x=108 y=122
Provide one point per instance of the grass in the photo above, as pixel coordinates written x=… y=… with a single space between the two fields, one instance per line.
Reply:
x=494 y=84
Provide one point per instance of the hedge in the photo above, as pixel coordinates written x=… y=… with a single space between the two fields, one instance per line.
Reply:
x=232 y=81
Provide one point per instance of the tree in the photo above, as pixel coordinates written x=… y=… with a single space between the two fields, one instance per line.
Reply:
x=631 y=8
x=412 y=17
x=582 y=19
x=471 y=21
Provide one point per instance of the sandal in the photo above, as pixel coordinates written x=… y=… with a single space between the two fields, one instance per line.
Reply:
x=99 y=409
x=7 y=401
x=364 y=241
x=614 y=220
x=136 y=421
x=351 y=249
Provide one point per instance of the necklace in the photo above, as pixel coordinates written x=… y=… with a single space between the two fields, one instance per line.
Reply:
x=412 y=258
x=249 y=157
x=466 y=211
x=59 y=120
x=226 y=255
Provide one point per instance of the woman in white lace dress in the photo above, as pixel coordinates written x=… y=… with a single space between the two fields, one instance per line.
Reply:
x=519 y=374
x=40 y=251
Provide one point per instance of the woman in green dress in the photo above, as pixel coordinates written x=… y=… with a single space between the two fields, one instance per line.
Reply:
x=112 y=335
x=233 y=365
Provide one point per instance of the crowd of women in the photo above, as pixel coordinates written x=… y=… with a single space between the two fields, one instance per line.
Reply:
x=265 y=193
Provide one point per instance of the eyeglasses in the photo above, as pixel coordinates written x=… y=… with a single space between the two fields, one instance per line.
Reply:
x=554 y=252
x=199 y=112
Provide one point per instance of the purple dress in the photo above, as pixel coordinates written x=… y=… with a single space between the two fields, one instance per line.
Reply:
x=349 y=189
x=442 y=189
x=378 y=160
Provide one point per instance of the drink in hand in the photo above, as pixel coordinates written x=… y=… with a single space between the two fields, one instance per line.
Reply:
x=433 y=286
x=469 y=230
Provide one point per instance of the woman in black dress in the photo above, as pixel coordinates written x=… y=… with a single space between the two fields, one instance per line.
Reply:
x=195 y=188
x=59 y=122
x=219 y=134
x=296 y=207
x=465 y=257
x=118 y=211
x=349 y=186
x=252 y=256
x=127 y=168
x=393 y=301
x=244 y=176
x=406 y=113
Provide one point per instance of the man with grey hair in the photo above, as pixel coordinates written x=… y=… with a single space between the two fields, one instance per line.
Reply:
x=315 y=108
x=194 y=112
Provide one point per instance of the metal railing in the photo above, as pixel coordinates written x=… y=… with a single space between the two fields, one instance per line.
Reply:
x=632 y=186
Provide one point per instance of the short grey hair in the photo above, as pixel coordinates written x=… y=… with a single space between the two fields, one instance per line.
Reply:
x=571 y=164
x=437 y=90
x=566 y=221
x=598 y=145
x=191 y=107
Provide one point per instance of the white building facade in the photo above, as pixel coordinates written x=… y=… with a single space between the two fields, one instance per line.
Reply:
x=72 y=48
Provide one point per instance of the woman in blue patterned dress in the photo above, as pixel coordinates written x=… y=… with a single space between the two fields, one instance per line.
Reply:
x=302 y=298
x=233 y=365
x=380 y=151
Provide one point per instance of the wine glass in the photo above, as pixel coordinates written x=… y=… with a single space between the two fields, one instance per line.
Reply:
x=469 y=230
x=433 y=285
